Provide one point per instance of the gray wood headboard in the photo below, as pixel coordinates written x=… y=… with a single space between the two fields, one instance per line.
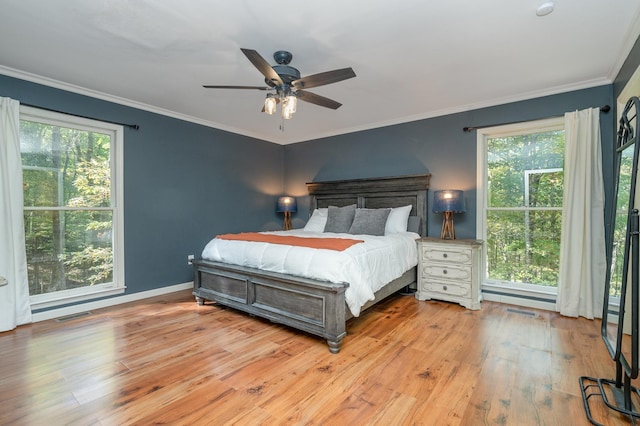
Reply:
x=375 y=193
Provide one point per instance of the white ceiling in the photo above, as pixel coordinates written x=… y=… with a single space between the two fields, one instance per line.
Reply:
x=413 y=58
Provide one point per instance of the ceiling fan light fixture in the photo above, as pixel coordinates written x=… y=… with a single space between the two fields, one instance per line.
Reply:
x=287 y=84
x=292 y=103
x=287 y=113
x=289 y=104
x=270 y=104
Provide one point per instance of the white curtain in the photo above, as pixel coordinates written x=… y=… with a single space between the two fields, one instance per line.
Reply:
x=582 y=253
x=14 y=287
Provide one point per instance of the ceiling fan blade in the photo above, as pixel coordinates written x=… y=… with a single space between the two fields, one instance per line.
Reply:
x=323 y=78
x=263 y=66
x=317 y=99
x=208 y=86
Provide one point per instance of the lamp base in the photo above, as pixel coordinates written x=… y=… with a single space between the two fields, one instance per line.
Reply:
x=287 y=221
x=448 y=233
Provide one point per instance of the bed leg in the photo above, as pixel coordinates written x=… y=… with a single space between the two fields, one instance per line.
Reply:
x=199 y=300
x=334 y=345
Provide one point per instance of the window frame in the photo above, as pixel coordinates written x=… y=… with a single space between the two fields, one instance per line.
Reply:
x=117 y=286
x=510 y=288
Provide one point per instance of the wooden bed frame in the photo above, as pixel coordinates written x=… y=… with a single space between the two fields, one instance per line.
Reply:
x=316 y=307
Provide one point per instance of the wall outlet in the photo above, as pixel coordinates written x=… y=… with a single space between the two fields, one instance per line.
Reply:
x=189 y=259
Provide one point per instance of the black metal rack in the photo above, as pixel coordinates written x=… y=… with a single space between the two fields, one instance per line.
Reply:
x=619 y=394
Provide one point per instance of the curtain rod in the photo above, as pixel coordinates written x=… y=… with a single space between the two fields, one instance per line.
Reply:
x=131 y=126
x=605 y=109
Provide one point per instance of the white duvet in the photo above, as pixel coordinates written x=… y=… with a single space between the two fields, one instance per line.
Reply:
x=367 y=266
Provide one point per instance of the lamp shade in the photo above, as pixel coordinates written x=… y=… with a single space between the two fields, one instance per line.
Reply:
x=287 y=204
x=448 y=200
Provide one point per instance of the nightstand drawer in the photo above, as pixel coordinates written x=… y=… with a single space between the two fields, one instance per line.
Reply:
x=448 y=289
x=451 y=272
x=437 y=254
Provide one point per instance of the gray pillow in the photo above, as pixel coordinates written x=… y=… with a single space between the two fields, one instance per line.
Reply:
x=369 y=221
x=413 y=224
x=339 y=219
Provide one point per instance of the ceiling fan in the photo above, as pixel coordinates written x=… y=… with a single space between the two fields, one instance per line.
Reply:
x=285 y=84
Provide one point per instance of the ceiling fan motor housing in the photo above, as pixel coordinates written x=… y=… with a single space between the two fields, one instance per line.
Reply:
x=287 y=74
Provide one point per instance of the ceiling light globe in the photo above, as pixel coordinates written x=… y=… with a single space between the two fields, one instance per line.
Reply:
x=292 y=103
x=270 y=105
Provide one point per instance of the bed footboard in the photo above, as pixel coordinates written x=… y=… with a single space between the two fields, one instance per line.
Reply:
x=316 y=307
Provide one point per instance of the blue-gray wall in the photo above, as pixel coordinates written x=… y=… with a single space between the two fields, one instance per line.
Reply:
x=436 y=145
x=183 y=183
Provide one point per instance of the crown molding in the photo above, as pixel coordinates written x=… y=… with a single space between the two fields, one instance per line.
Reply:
x=49 y=82
x=369 y=126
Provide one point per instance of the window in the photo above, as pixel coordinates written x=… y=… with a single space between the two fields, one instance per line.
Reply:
x=72 y=177
x=520 y=200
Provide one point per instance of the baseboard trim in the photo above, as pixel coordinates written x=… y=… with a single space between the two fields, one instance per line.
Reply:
x=518 y=300
x=104 y=303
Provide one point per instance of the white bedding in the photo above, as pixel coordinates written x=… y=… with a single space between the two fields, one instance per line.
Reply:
x=367 y=266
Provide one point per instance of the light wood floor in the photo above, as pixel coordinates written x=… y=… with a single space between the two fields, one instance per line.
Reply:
x=166 y=360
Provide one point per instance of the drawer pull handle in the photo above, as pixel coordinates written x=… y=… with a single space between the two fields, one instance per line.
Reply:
x=444 y=271
x=444 y=255
x=444 y=287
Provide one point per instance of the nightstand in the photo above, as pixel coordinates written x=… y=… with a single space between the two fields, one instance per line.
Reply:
x=449 y=270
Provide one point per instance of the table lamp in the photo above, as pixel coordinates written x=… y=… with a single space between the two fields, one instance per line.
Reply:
x=448 y=201
x=287 y=205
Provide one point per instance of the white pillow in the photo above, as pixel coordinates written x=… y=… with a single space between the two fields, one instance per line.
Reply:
x=317 y=221
x=397 y=220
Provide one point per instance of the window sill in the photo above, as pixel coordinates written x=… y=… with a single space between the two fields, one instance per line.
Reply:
x=63 y=299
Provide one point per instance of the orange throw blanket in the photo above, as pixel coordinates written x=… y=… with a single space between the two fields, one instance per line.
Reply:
x=337 y=244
